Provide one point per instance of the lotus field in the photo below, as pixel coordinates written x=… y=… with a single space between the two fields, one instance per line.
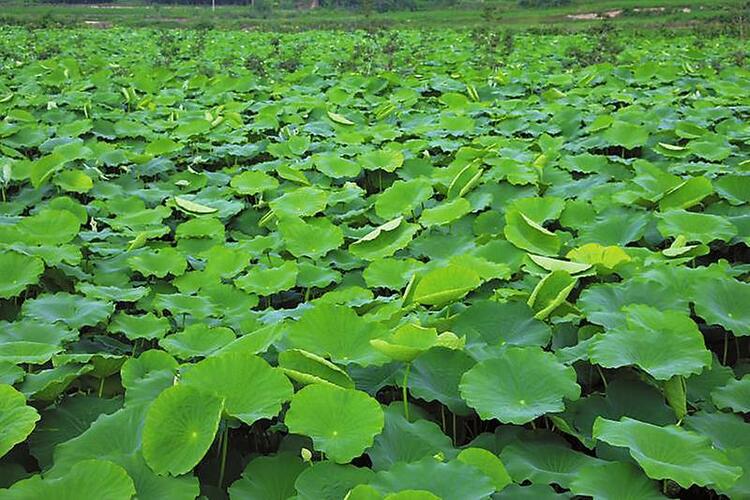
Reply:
x=408 y=265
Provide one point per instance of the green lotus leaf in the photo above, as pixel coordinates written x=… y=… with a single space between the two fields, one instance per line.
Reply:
x=47 y=385
x=497 y=323
x=312 y=238
x=402 y=197
x=87 y=479
x=10 y=373
x=227 y=375
x=550 y=264
x=65 y=421
x=519 y=385
x=252 y=182
x=550 y=293
x=384 y=240
x=162 y=146
x=488 y=463
x=330 y=480
x=700 y=227
x=725 y=302
x=335 y=166
x=627 y=135
x=302 y=202
x=725 y=430
x=530 y=492
x=19 y=271
x=179 y=428
x=410 y=340
x=147 y=326
x=435 y=376
x=445 y=213
x=34 y=353
x=669 y=452
x=192 y=207
x=539 y=209
x=48 y=227
x=545 y=459
x=383 y=159
x=528 y=235
x=453 y=480
x=73 y=310
x=256 y=341
x=307 y=368
x=116 y=437
x=16 y=419
x=605 y=258
x=268 y=478
x=364 y=492
x=159 y=263
x=734 y=188
x=446 y=284
x=146 y=376
x=735 y=395
x=268 y=281
x=390 y=273
x=711 y=147
x=405 y=441
x=341 y=422
x=615 y=480
x=411 y=495
x=200 y=227
x=687 y=194
x=338 y=333
x=197 y=340
x=191 y=128
x=641 y=343
x=179 y=304
x=75 y=181
x=112 y=293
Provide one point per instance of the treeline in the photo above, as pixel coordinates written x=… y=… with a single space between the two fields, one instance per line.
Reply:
x=377 y=5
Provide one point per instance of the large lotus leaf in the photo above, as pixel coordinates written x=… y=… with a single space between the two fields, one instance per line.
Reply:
x=410 y=340
x=725 y=302
x=337 y=332
x=445 y=213
x=530 y=492
x=627 y=135
x=528 y=235
x=341 y=422
x=446 y=284
x=267 y=281
x=669 y=452
x=179 y=428
x=700 y=227
x=179 y=304
x=497 y=323
x=335 y=166
x=112 y=293
x=117 y=438
x=48 y=227
x=19 y=271
x=330 y=480
x=405 y=441
x=10 y=373
x=46 y=385
x=519 y=385
x=402 y=197
x=615 y=480
x=453 y=480
x=435 y=376
x=16 y=419
x=385 y=159
x=734 y=188
x=312 y=238
x=544 y=459
x=488 y=463
x=159 y=263
x=73 y=310
x=268 y=478
x=256 y=341
x=162 y=146
x=64 y=422
x=88 y=479
x=605 y=258
x=390 y=273
x=687 y=194
x=641 y=343
x=301 y=202
x=735 y=395
x=227 y=376
x=384 y=240
x=725 y=430
x=148 y=326
x=197 y=340
x=307 y=368
x=550 y=293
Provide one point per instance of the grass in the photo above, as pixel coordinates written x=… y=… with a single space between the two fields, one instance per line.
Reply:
x=492 y=14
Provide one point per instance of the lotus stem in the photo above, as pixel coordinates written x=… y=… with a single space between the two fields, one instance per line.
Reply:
x=222 y=466
x=101 y=387
x=405 y=392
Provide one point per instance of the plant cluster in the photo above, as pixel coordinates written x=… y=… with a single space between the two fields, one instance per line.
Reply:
x=284 y=276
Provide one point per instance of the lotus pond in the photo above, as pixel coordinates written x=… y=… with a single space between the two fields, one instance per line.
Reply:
x=370 y=265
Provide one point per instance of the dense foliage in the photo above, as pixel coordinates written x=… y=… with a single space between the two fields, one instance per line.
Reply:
x=404 y=265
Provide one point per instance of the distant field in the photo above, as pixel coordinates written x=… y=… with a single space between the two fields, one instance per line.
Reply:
x=504 y=13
